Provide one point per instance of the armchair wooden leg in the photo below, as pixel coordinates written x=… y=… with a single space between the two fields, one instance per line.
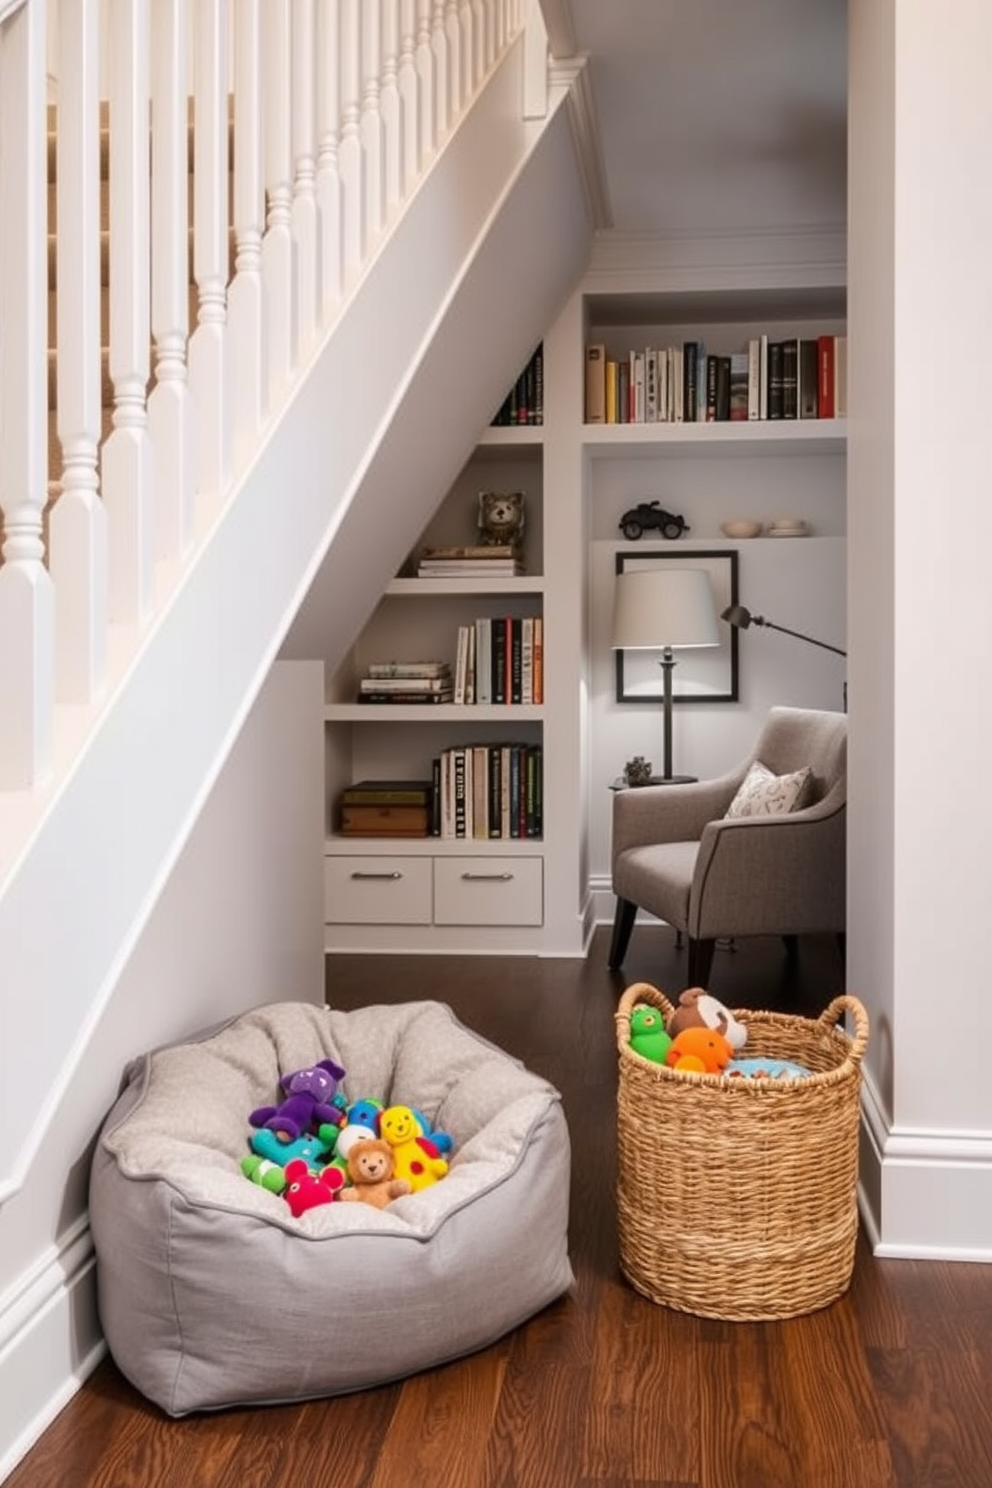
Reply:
x=700 y=962
x=791 y=943
x=623 y=924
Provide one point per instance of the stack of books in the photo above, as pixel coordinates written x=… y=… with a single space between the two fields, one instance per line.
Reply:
x=473 y=560
x=387 y=808
x=407 y=682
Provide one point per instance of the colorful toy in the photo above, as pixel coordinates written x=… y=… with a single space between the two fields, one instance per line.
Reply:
x=697 y=1009
x=439 y=1139
x=647 y=1034
x=766 y=1069
x=371 y=1168
x=266 y=1174
x=700 y=1049
x=416 y=1158
x=364 y=1113
x=314 y=1150
x=309 y=1101
x=305 y=1190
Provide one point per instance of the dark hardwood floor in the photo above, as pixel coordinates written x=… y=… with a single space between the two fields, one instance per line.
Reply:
x=891 y=1387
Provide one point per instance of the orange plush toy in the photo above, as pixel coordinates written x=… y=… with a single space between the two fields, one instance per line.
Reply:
x=700 y=1049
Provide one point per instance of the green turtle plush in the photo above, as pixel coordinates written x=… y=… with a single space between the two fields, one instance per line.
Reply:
x=647 y=1034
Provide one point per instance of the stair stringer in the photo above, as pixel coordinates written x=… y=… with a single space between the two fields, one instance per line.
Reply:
x=500 y=219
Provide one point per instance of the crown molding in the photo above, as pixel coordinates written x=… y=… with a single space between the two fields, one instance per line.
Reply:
x=778 y=257
x=572 y=76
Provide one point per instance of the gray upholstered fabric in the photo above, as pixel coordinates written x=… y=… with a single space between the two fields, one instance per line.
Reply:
x=212 y=1294
x=677 y=855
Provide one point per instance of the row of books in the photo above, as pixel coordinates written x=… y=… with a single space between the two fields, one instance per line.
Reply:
x=472 y=560
x=486 y=791
x=500 y=659
x=794 y=378
x=407 y=682
x=524 y=403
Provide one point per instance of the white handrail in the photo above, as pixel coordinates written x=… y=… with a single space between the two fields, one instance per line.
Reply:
x=339 y=107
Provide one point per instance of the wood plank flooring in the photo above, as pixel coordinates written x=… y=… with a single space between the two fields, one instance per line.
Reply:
x=891 y=1387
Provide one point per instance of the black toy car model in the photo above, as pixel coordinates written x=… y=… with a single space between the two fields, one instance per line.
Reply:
x=648 y=514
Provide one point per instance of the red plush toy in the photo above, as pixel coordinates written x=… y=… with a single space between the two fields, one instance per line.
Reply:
x=306 y=1190
x=700 y=1049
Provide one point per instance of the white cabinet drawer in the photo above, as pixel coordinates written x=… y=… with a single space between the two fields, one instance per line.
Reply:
x=488 y=891
x=377 y=891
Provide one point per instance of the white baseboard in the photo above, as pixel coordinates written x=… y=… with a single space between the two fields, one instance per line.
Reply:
x=50 y=1341
x=924 y=1194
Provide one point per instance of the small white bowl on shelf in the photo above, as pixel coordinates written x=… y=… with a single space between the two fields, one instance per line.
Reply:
x=789 y=527
x=741 y=527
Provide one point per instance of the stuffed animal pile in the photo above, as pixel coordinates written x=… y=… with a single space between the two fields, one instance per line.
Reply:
x=313 y=1147
x=703 y=1036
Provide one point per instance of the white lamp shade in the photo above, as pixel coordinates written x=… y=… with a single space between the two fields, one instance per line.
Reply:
x=654 y=609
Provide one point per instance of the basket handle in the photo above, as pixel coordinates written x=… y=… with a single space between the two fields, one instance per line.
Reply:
x=635 y=995
x=833 y=1013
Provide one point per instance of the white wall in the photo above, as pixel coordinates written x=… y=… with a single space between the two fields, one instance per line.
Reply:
x=920 y=473
x=239 y=923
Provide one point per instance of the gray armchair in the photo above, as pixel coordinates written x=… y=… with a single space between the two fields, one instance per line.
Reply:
x=678 y=858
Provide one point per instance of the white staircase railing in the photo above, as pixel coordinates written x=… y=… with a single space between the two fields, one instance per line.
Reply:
x=337 y=109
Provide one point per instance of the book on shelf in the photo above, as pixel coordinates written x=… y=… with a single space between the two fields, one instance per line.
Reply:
x=808 y=379
x=790 y=378
x=387 y=669
x=738 y=387
x=405 y=698
x=470 y=568
x=488 y=552
x=826 y=392
x=388 y=793
x=489 y=790
x=385 y=821
x=524 y=403
x=595 y=410
x=840 y=376
x=405 y=684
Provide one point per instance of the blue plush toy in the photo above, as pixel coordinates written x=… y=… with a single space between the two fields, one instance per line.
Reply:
x=315 y=1151
x=756 y=1068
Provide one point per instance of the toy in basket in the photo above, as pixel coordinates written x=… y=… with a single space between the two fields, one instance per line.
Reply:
x=736 y=1198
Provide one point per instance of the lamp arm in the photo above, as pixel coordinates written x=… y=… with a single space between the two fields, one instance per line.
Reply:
x=799 y=636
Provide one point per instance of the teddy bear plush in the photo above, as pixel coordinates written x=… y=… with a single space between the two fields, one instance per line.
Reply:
x=308 y=1104
x=370 y=1168
x=698 y=1009
x=501 y=518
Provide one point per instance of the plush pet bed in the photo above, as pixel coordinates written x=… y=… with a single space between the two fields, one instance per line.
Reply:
x=211 y=1294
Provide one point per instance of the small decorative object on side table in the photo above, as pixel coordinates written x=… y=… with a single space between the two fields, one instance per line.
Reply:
x=637 y=771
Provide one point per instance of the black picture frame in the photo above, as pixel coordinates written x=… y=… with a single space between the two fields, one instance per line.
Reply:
x=710 y=674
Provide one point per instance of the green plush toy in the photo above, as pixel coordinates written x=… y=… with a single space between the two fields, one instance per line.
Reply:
x=263 y=1172
x=647 y=1034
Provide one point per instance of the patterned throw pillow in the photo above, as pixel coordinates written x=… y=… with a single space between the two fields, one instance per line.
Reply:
x=763 y=794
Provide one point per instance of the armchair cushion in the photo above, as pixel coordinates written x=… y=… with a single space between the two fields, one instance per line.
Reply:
x=763 y=793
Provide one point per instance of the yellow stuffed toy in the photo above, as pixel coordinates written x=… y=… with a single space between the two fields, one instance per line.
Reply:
x=416 y=1158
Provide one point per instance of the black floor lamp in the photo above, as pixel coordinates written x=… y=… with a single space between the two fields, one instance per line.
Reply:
x=739 y=616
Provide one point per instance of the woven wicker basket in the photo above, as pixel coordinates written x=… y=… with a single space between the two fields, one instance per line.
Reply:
x=736 y=1198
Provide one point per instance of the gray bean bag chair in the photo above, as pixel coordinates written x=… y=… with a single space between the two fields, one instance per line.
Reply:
x=212 y=1294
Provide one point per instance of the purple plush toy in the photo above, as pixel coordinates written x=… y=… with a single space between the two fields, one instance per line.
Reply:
x=308 y=1103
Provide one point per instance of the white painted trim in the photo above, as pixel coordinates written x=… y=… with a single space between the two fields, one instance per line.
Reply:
x=925 y=1194
x=558 y=24
x=575 y=76
x=778 y=258
x=8 y=9
x=50 y=1341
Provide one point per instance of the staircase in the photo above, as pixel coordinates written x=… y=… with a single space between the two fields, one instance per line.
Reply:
x=144 y=613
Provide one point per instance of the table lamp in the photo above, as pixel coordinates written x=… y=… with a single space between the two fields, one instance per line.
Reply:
x=664 y=610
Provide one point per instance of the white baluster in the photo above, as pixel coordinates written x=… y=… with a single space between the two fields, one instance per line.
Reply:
x=350 y=147
x=27 y=640
x=409 y=92
x=305 y=222
x=126 y=465
x=208 y=368
x=453 y=38
x=278 y=269
x=478 y=10
x=78 y=527
x=466 y=46
x=170 y=416
x=427 y=77
x=389 y=105
x=328 y=176
x=370 y=122
x=439 y=46
x=245 y=305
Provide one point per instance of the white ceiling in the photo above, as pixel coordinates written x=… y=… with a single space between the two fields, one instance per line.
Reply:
x=715 y=116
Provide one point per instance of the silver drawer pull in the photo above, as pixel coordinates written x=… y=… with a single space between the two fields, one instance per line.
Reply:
x=377 y=876
x=487 y=877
